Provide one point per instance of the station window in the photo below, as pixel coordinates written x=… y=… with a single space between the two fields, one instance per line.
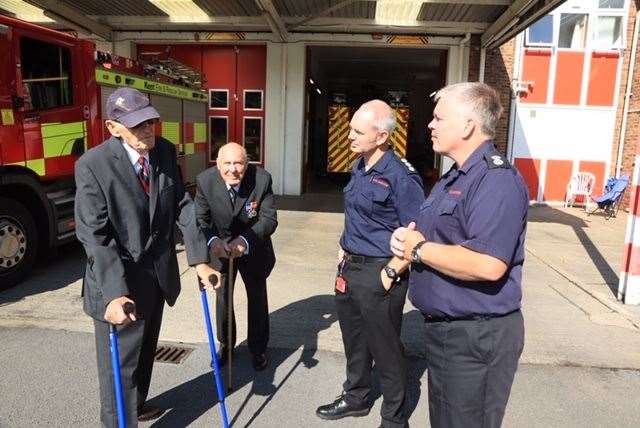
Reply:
x=46 y=74
x=611 y=4
x=541 y=33
x=219 y=129
x=253 y=99
x=219 y=98
x=609 y=32
x=573 y=30
x=252 y=137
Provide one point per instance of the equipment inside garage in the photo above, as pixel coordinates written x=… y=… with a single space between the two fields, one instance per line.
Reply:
x=340 y=79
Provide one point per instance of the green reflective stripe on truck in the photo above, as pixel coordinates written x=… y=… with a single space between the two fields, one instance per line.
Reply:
x=171 y=131
x=58 y=138
x=37 y=166
x=200 y=132
x=108 y=77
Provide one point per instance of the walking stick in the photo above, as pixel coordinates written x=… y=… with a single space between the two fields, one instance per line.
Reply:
x=128 y=308
x=214 y=355
x=230 y=324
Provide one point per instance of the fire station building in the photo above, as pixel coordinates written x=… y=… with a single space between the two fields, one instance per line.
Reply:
x=283 y=76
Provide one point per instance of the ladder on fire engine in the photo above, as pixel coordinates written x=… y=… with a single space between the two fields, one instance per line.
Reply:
x=175 y=71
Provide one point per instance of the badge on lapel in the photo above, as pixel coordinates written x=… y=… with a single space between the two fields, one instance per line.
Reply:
x=251 y=208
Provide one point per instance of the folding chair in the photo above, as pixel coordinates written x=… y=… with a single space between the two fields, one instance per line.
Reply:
x=610 y=200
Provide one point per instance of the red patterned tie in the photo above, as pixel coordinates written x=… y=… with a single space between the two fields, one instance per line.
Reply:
x=143 y=174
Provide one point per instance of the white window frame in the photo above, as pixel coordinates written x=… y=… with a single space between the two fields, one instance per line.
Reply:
x=244 y=98
x=527 y=43
x=623 y=35
x=588 y=35
x=244 y=124
x=211 y=91
x=226 y=118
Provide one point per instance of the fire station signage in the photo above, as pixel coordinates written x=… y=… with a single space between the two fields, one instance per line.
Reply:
x=112 y=78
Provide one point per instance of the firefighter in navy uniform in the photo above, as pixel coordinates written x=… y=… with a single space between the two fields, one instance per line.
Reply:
x=467 y=250
x=384 y=193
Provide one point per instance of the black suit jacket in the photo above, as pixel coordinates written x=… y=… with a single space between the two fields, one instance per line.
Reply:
x=218 y=217
x=124 y=231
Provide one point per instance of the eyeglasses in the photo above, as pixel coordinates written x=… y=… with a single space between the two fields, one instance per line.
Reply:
x=141 y=125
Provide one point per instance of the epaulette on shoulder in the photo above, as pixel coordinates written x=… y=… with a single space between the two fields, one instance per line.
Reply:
x=408 y=165
x=496 y=160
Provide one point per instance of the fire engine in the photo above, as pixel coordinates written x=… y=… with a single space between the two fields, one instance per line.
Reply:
x=53 y=89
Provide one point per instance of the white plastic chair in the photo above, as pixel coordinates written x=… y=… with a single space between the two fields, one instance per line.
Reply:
x=581 y=184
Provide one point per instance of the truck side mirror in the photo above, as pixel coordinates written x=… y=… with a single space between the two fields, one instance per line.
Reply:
x=78 y=147
x=17 y=102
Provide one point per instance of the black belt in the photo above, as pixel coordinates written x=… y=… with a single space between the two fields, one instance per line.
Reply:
x=478 y=317
x=355 y=258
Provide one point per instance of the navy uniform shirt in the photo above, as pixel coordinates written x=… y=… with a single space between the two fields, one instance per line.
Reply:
x=481 y=206
x=378 y=201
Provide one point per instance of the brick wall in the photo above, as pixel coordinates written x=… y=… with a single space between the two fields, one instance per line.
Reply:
x=632 y=137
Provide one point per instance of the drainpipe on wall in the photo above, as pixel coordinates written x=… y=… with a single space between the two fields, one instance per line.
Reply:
x=514 y=97
x=483 y=59
x=463 y=41
x=283 y=110
x=627 y=97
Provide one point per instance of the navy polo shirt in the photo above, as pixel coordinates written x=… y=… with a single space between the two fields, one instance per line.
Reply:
x=481 y=206
x=378 y=201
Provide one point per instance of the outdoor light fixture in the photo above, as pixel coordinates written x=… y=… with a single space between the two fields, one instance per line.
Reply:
x=397 y=12
x=181 y=10
x=311 y=80
x=318 y=91
x=25 y=11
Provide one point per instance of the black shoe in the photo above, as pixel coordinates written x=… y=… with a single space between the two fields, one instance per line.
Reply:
x=223 y=353
x=340 y=409
x=259 y=362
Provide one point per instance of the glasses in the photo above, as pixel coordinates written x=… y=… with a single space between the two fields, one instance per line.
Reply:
x=141 y=125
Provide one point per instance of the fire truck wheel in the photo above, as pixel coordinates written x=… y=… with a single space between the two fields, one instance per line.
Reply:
x=18 y=242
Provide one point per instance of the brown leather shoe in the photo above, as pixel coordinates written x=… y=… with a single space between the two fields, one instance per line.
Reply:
x=148 y=413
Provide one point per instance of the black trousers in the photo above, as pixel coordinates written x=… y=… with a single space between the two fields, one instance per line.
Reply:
x=258 y=308
x=471 y=366
x=137 y=345
x=370 y=320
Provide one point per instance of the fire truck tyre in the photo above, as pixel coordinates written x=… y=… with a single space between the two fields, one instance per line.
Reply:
x=18 y=242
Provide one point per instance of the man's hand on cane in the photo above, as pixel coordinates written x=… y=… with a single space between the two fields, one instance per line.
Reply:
x=236 y=247
x=115 y=313
x=204 y=272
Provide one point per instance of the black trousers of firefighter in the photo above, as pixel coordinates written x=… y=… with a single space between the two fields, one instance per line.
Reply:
x=370 y=320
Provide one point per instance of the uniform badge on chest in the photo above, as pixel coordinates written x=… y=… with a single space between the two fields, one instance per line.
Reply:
x=251 y=208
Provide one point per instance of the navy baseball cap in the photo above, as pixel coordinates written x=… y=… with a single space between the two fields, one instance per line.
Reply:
x=130 y=107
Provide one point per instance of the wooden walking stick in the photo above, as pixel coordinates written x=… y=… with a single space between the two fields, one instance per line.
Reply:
x=230 y=325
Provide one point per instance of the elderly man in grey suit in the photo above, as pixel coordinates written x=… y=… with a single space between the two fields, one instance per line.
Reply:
x=129 y=196
x=235 y=208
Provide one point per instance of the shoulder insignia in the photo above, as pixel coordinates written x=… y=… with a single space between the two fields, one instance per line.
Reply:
x=408 y=165
x=496 y=160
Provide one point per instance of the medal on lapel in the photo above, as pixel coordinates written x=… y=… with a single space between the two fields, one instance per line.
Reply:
x=251 y=208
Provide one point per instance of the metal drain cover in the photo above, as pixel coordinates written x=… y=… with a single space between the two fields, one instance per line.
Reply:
x=173 y=354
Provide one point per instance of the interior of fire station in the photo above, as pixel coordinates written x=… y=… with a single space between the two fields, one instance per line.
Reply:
x=341 y=78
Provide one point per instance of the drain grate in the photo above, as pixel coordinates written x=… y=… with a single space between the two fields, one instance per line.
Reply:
x=172 y=354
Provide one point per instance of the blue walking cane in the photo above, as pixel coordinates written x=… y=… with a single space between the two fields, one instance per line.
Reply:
x=128 y=308
x=212 y=348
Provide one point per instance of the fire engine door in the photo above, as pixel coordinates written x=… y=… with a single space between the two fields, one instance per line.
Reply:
x=54 y=113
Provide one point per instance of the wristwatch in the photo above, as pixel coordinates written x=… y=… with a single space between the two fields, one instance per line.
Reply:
x=415 y=253
x=391 y=273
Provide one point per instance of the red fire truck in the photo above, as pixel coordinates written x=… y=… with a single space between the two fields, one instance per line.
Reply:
x=53 y=89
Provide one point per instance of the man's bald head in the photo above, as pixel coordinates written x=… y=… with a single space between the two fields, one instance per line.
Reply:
x=382 y=115
x=232 y=149
x=232 y=163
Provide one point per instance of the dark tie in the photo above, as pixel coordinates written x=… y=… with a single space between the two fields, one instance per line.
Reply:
x=143 y=174
x=232 y=195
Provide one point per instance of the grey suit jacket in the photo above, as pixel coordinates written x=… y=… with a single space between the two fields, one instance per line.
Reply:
x=253 y=215
x=124 y=231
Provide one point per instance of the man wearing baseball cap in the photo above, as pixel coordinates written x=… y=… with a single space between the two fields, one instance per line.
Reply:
x=129 y=196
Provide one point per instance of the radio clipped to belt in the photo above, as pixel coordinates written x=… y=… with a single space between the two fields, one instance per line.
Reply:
x=341 y=283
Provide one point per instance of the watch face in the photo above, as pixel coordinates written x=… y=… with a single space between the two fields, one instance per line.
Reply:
x=391 y=272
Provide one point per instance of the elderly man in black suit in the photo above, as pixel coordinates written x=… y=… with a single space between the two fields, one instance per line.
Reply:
x=129 y=196
x=235 y=209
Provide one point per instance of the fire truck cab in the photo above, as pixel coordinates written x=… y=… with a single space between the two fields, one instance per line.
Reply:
x=52 y=89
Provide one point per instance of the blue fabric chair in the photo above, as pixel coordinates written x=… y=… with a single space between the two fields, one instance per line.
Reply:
x=609 y=202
